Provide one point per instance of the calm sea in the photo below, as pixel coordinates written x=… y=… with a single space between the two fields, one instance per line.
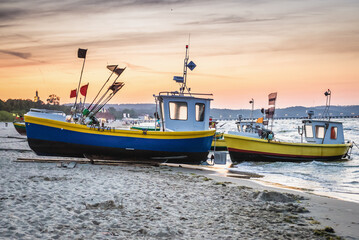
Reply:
x=334 y=179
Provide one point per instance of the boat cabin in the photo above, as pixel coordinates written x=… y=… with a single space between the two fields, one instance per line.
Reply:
x=250 y=129
x=48 y=114
x=323 y=132
x=183 y=111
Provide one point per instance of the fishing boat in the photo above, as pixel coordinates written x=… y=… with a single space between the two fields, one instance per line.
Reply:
x=324 y=141
x=20 y=127
x=183 y=119
x=218 y=142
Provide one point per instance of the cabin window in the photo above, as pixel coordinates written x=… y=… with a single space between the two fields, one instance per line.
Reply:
x=178 y=110
x=199 y=112
x=333 y=133
x=308 y=131
x=319 y=131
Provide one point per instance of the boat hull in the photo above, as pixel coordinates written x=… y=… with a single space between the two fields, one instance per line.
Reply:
x=56 y=138
x=20 y=127
x=252 y=149
x=219 y=145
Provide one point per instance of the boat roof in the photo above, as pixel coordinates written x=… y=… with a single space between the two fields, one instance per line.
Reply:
x=184 y=95
x=318 y=121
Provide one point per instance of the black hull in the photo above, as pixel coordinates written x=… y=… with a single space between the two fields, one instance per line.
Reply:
x=53 y=148
x=20 y=130
x=252 y=157
x=219 y=148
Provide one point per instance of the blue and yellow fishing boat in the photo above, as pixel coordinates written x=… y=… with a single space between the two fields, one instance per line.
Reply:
x=61 y=138
x=182 y=118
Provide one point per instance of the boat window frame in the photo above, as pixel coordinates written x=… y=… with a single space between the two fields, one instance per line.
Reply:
x=162 y=110
x=307 y=127
x=198 y=114
x=319 y=131
x=170 y=111
x=335 y=132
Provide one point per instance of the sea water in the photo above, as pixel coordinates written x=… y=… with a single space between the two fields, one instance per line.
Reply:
x=339 y=179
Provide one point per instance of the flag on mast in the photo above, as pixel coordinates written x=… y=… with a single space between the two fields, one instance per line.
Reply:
x=81 y=53
x=116 y=70
x=83 y=90
x=115 y=87
x=272 y=98
x=73 y=93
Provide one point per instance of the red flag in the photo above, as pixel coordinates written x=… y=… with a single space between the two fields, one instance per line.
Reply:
x=83 y=90
x=73 y=93
x=270 y=112
x=272 y=98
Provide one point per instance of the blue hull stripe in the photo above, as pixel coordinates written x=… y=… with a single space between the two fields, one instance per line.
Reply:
x=40 y=132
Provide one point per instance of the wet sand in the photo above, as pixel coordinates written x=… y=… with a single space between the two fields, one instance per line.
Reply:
x=45 y=201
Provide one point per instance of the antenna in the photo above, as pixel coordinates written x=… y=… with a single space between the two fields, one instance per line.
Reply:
x=328 y=95
x=183 y=80
x=252 y=102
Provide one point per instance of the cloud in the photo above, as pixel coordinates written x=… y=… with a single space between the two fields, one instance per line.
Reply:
x=9 y=14
x=17 y=54
x=231 y=19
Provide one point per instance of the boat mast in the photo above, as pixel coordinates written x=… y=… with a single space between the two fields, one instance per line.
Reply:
x=81 y=53
x=183 y=79
x=184 y=84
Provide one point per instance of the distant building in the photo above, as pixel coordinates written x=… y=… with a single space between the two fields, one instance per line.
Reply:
x=145 y=117
x=105 y=115
x=37 y=98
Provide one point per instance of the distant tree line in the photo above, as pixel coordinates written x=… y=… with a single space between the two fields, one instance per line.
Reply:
x=22 y=106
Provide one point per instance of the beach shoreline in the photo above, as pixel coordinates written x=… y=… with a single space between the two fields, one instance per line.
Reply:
x=338 y=213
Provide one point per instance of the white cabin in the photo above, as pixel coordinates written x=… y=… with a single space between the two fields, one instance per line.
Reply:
x=183 y=112
x=323 y=132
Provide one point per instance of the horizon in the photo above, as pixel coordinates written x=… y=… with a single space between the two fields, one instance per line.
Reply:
x=69 y=103
x=242 y=49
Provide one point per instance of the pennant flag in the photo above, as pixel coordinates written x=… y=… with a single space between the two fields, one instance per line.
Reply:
x=272 y=98
x=191 y=65
x=116 y=86
x=118 y=71
x=83 y=90
x=113 y=68
x=81 y=53
x=73 y=93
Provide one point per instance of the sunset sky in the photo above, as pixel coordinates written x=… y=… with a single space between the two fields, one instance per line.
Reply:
x=243 y=49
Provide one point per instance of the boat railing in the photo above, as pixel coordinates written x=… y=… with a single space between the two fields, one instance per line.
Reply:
x=176 y=93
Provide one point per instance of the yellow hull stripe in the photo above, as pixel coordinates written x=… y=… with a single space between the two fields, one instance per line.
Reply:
x=118 y=132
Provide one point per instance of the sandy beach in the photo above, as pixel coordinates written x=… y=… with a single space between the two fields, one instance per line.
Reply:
x=45 y=201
